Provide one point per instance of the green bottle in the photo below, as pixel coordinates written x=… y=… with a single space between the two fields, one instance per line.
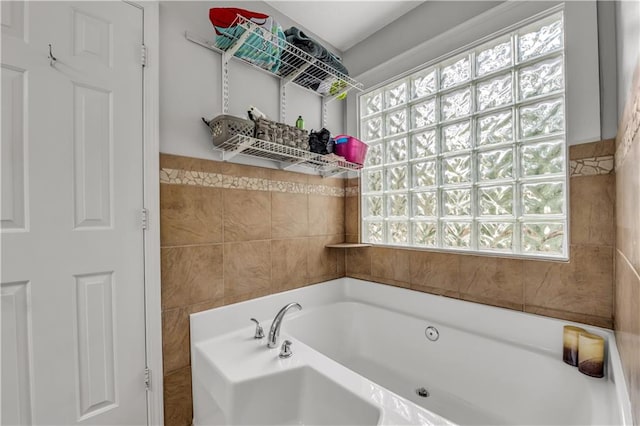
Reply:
x=300 y=123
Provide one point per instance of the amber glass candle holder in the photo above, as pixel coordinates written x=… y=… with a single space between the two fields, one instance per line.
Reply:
x=570 y=344
x=591 y=354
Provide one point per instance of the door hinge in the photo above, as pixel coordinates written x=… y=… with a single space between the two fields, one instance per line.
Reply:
x=143 y=55
x=145 y=218
x=147 y=378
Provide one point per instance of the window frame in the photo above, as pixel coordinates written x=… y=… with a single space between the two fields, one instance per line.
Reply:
x=470 y=50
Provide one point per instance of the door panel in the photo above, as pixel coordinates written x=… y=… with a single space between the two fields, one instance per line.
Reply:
x=94 y=304
x=16 y=353
x=72 y=241
x=13 y=14
x=92 y=160
x=13 y=149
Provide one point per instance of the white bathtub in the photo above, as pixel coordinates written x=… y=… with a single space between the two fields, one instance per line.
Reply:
x=488 y=366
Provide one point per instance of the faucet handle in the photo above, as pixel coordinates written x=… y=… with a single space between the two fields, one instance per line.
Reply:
x=259 y=332
x=285 y=350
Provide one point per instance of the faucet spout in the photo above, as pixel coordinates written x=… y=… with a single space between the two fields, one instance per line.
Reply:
x=274 y=333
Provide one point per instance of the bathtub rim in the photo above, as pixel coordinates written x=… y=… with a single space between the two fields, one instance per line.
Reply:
x=469 y=317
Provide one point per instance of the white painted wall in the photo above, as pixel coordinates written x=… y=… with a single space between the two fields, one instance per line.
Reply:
x=608 y=68
x=581 y=37
x=190 y=83
x=425 y=22
x=628 y=47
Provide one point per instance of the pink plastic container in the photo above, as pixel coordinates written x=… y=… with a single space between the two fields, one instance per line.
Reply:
x=352 y=149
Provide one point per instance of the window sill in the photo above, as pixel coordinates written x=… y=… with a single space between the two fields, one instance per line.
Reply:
x=348 y=245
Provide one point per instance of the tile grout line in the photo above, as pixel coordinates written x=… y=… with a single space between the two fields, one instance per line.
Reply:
x=524 y=289
x=192 y=245
x=565 y=312
x=626 y=259
x=224 y=275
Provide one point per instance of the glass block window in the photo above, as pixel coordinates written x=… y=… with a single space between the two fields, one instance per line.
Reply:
x=470 y=153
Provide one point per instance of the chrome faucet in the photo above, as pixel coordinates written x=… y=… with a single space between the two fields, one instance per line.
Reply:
x=277 y=322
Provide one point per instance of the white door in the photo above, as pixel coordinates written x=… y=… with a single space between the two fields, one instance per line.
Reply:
x=72 y=282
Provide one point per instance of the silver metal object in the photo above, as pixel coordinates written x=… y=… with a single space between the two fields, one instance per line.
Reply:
x=147 y=378
x=52 y=59
x=274 y=332
x=422 y=392
x=432 y=333
x=285 y=350
x=143 y=55
x=259 y=332
x=145 y=218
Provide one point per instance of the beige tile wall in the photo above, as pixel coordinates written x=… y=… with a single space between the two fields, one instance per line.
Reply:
x=231 y=233
x=578 y=290
x=627 y=253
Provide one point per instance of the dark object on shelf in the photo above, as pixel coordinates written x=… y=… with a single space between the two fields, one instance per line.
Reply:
x=326 y=165
x=314 y=76
x=224 y=127
x=284 y=134
x=321 y=142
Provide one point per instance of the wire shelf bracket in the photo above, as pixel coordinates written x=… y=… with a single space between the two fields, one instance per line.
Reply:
x=231 y=50
x=237 y=148
x=290 y=62
x=295 y=66
x=293 y=163
x=286 y=156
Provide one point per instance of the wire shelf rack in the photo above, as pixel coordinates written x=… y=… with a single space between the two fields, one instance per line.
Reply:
x=279 y=58
x=285 y=155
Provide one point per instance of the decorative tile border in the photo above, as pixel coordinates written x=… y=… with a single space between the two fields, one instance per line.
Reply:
x=629 y=129
x=592 y=166
x=352 y=191
x=583 y=167
x=218 y=180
